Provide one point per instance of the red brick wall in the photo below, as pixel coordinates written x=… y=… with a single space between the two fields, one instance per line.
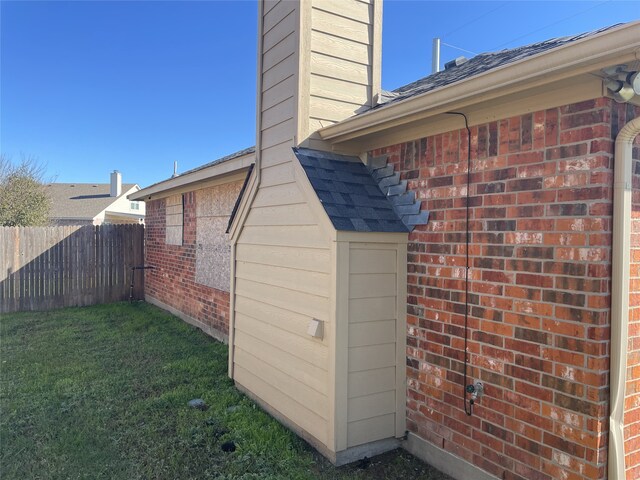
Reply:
x=632 y=401
x=539 y=291
x=173 y=279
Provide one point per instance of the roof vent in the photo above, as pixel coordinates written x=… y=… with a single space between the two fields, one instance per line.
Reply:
x=383 y=97
x=455 y=62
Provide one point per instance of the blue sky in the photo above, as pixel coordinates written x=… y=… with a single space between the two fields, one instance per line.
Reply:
x=88 y=87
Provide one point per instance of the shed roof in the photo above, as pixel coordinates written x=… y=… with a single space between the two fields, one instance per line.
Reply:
x=82 y=201
x=348 y=192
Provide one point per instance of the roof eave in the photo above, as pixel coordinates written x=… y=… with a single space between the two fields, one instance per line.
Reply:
x=218 y=170
x=617 y=45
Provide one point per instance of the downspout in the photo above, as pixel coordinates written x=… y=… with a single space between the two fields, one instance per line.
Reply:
x=252 y=192
x=620 y=277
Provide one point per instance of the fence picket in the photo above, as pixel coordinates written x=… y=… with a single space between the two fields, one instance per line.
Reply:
x=52 y=267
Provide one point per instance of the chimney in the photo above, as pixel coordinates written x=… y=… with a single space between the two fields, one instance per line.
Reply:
x=319 y=62
x=116 y=184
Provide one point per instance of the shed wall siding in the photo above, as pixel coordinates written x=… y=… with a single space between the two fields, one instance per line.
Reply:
x=539 y=300
x=371 y=382
x=282 y=283
x=282 y=255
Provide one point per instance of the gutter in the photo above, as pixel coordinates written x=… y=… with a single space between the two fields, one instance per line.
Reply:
x=620 y=278
x=617 y=45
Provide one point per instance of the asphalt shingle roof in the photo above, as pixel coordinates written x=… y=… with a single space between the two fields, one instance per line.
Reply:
x=81 y=201
x=239 y=153
x=479 y=64
x=349 y=194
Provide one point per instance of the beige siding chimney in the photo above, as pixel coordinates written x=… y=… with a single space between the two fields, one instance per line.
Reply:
x=318 y=63
x=116 y=184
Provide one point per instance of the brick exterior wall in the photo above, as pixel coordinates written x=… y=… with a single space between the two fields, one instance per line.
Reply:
x=632 y=401
x=172 y=282
x=540 y=258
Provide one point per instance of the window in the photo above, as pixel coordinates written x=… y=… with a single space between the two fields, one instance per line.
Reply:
x=135 y=206
x=174 y=219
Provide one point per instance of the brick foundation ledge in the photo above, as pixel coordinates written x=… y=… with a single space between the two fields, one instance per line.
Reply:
x=444 y=461
x=212 y=332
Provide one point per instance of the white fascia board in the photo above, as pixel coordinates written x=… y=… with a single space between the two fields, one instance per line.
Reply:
x=122 y=214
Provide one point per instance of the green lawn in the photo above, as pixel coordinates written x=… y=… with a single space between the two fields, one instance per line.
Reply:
x=102 y=392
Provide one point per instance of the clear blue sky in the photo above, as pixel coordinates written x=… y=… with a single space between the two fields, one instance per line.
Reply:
x=88 y=87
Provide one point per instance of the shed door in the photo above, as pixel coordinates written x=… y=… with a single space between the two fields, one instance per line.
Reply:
x=373 y=381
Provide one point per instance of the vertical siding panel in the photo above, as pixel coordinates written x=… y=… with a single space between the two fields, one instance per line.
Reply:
x=22 y=273
x=127 y=253
x=14 y=285
x=74 y=266
x=59 y=256
x=65 y=265
x=80 y=241
x=97 y=233
x=6 y=272
x=139 y=245
x=4 y=264
x=44 y=267
x=372 y=416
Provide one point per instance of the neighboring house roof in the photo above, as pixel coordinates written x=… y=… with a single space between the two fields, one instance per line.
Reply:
x=477 y=65
x=229 y=164
x=352 y=196
x=82 y=201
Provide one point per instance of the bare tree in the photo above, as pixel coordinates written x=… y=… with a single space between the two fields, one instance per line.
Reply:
x=23 y=197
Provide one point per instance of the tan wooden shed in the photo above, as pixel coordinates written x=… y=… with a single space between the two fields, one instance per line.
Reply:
x=318 y=330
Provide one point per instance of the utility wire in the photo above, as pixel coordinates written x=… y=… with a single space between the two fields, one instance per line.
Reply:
x=550 y=25
x=475 y=19
x=468 y=404
x=458 y=48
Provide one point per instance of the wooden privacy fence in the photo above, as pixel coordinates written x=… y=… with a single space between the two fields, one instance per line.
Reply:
x=42 y=268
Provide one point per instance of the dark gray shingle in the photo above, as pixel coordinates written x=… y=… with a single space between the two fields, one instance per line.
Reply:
x=349 y=194
x=479 y=64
